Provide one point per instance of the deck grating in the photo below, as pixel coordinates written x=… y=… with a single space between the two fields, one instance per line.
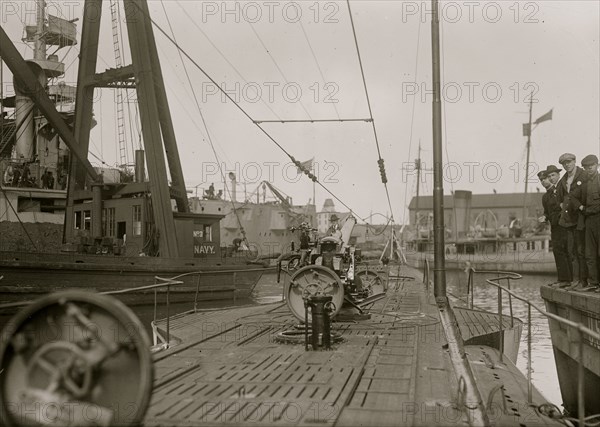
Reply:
x=231 y=371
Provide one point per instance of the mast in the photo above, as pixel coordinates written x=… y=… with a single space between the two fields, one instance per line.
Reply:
x=39 y=47
x=418 y=165
x=527 y=161
x=439 y=272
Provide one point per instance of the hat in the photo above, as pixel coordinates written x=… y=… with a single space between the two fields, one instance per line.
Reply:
x=566 y=157
x=589 y=160
x=334 y=217
x=552 y=168
x=542 y=174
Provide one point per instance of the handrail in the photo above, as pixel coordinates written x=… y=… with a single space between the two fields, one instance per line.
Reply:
x=426 y=275
x=168 y=282
x=165 y=283
x=162 y=282
x=508 y=275
x=580 y=328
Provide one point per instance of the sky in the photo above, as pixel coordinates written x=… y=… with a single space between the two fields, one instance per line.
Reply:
x=298 y=61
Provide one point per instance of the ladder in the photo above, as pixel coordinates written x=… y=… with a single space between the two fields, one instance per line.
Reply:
x=6 y=135
x=123 y=154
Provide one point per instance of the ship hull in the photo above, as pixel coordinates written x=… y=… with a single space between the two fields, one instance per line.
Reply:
x=532 y=263
x=26 y=276
x=583 y=308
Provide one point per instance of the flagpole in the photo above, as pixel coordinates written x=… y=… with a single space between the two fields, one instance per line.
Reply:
x=527 y=161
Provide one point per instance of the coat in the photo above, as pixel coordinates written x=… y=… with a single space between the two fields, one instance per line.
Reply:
x=571 y=201
x=551 y=206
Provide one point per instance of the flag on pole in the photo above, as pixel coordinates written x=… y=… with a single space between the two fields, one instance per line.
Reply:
x=306 y=165
x=547 y=116
x=543 y=118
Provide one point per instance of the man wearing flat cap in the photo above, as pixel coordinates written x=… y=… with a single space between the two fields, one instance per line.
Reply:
x=558 y=234
x=546 y=184
x=570 y=196
x=591 y=214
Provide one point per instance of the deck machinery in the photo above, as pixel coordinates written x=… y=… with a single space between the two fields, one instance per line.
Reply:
x=148 y=212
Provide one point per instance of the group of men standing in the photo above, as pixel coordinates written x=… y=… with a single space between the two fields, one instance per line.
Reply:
x=572 y=207
x=19 y=175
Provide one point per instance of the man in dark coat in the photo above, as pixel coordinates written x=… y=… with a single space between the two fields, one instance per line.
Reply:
x=45 y=180
x=570 y=195
x=591 y=213
x=564 y=269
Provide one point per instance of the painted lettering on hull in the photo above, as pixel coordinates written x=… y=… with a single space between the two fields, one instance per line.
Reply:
x=204 y=249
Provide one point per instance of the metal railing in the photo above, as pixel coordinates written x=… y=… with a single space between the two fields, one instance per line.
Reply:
x=173 y=281
x=163 y=283
x=502 y=275
x=167 y=283
x=580 y=328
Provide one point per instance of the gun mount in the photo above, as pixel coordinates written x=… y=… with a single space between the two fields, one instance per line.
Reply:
x=329 y=272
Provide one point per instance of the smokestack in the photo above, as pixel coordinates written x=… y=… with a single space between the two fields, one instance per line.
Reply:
x=462 y=207
x=233 y=186
x=24 y=115
x=140 y=166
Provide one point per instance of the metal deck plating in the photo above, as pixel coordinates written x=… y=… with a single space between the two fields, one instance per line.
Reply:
x=393 y=369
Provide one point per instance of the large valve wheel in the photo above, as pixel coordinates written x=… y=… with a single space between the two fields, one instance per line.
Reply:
x=371 y=281
x=75 y=358
x=313 y=280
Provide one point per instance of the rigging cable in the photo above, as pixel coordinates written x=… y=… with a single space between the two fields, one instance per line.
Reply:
x=276 y=65
x=412 y=121
x=205 y=127
x=443 y=73
x=362 y=71
x=76 y=57
x=317 y=63
x=129 y=114
x=296 y=162
x=224 y=57
x=18 y=218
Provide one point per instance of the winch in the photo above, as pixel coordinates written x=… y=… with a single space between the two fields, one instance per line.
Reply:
x=75 y=358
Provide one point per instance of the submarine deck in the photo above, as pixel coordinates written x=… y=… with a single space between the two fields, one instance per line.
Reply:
x=230 y=368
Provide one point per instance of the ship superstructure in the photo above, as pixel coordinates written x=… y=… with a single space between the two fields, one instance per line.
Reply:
x=34 y=159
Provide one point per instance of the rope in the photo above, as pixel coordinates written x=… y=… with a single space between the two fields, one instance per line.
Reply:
x=266 y=104
x=277 y=66
x=552 y=411
x=380 y=160
x=18 y=218
x=212 y=146
x=239 y=107
x=317 y=63
x=412 y=119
